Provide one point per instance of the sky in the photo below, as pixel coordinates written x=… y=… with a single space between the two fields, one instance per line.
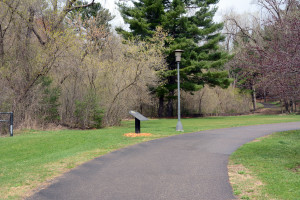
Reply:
x=239 y=6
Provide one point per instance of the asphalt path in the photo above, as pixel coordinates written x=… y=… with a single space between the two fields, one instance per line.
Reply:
x=269 y=105
x=187 y=167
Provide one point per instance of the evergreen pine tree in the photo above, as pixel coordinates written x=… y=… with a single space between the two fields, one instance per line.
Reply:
x=190 y=23
x=95 y=11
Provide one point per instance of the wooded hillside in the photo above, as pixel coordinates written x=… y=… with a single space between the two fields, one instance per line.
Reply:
x=62 y=63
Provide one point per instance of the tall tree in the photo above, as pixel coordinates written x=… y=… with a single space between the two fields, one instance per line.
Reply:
x=95 y=11
x=190 y=23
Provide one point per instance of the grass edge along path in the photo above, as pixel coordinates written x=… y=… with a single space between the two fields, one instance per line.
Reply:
x=31 y=159
x=267 y=168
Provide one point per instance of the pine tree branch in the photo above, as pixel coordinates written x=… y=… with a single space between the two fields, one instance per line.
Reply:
x=69 y=7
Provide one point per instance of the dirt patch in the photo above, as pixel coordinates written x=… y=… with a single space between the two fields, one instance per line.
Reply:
x=268 y=111
x=15 y=192
x=261 y=138
x=296 y=169
x=244 y=183
x=137 y=134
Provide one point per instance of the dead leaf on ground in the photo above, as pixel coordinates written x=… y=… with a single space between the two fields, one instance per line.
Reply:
x=137 y=134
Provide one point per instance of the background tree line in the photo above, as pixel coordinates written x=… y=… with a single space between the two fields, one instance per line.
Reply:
x=267 y=52
x=61 y=62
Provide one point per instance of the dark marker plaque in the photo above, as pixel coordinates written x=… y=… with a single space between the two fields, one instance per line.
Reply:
x=138 y=118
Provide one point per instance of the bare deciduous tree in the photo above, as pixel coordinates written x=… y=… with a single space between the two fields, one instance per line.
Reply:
x=270 y=50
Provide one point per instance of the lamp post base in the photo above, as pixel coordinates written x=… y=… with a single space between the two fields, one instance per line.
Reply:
x=179 y=126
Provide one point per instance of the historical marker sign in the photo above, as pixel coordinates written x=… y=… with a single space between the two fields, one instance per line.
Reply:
x=138 y=118
x=138 y=115
x=11 y=120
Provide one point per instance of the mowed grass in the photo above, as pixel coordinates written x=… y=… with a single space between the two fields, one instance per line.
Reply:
x=32 y=157
x=274 y=160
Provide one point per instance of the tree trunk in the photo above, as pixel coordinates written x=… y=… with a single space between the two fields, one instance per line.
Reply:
x=30 y=26
x=1 y=46
x=200 y=107
x=141 y=107
x=55 y=6
x=265 y=95
x=1 y=50
x=286 y=104
x=293 y=106
x=161 y=107
x=253 y=95
x=170 y=111
x=27 y=66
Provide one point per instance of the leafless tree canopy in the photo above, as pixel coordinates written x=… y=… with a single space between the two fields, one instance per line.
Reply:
x=267 y=50
x=58 y=68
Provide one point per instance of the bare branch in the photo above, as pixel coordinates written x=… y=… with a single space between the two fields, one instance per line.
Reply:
x=82 y=6
x=13 y=10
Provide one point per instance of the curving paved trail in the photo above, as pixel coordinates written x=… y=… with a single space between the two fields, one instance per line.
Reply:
x=187 y=167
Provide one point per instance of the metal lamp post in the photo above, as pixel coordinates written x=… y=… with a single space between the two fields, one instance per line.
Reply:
x=178 y=53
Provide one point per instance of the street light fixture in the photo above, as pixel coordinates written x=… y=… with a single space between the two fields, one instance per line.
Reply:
x=178 y=53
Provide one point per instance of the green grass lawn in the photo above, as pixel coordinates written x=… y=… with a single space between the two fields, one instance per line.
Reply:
x=275 y=161
x=33 y=157
x=259 y=105
x=276 y=103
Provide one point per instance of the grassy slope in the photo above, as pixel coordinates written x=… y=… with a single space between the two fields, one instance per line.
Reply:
x=275 y=160
x=28 y=159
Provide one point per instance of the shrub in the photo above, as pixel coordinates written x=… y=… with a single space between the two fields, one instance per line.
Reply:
x=88 y=113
